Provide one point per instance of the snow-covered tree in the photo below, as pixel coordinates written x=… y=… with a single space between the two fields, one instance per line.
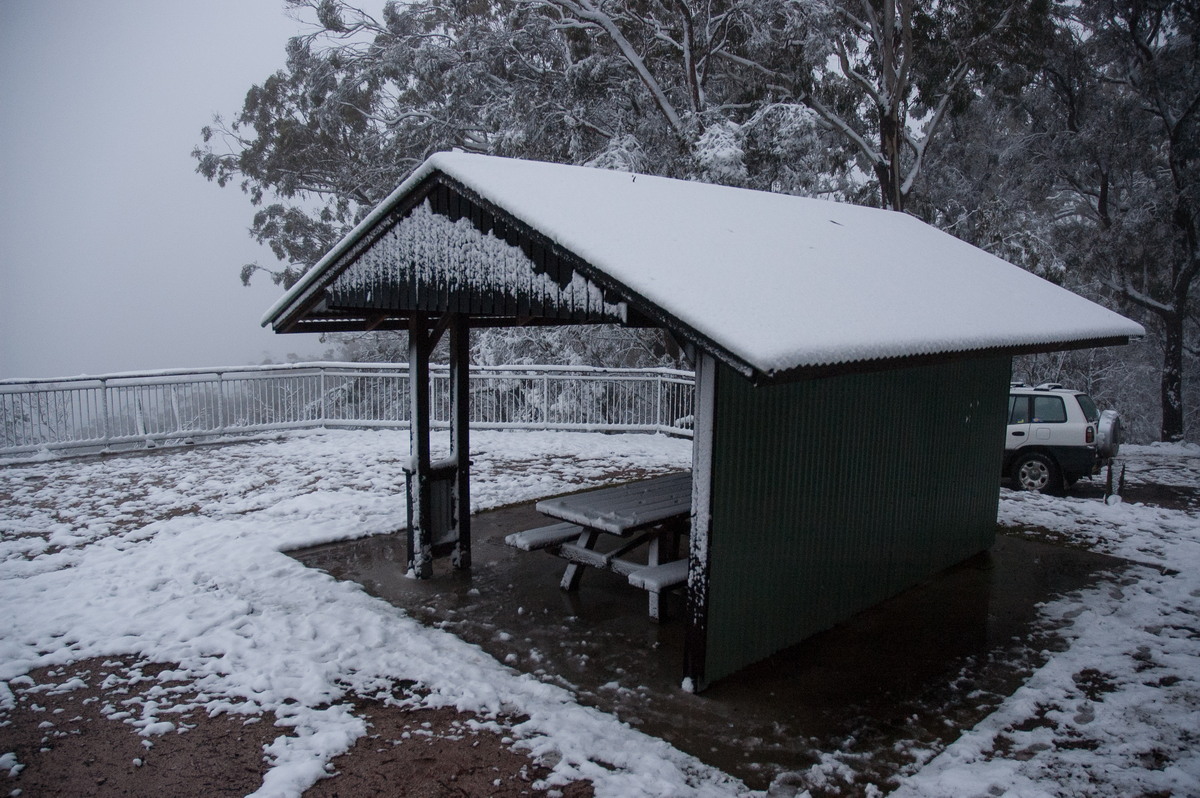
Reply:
x=1006 y=123
x=1115 y=117
x=361 y=101
x=1080 y=163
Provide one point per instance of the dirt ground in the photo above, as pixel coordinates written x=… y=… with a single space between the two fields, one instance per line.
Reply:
x=69 y=730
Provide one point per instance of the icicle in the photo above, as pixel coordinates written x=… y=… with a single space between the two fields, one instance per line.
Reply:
x=436 y=252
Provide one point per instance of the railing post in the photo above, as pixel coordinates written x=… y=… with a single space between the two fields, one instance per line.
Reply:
x=139 y=420
x=658 y=401
x=220 y=402
x=104 y=427
x=175 y=408
x=545 y=398
x=324 y=405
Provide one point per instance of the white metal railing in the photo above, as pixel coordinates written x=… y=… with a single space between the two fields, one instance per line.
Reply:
x=131 y=409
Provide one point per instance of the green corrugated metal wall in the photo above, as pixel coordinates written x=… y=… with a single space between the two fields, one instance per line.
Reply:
x=830 y=495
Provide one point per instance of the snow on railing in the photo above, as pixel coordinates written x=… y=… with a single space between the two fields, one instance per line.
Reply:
x=146 y=409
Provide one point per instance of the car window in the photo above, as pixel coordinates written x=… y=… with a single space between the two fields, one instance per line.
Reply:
x=1088 y=407
x=1018 y=409
x=1049 y=410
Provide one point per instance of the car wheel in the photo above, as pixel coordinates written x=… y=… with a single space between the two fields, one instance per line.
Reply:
x=1037 y=473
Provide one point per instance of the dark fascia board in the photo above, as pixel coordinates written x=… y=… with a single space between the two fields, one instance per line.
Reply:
x=295 y=317
x=894 y=363
x=400 y=321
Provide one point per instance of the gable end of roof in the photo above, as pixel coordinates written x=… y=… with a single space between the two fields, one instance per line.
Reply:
x=453 y=199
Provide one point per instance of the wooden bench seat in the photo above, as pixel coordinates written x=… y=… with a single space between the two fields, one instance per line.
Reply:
x=654 y=579
x=544 y=537
x=660 y=577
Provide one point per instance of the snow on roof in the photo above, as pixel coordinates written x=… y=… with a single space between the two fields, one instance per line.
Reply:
x=781 y=282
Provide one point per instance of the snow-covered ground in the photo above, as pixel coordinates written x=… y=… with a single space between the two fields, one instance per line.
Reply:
x=1117 y=713
x=176 y=557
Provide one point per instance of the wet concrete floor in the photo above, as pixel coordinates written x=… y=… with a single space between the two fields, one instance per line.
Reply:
x=915 y=670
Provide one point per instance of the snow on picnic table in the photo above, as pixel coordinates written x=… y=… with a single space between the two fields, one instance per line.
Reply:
x=176 y=557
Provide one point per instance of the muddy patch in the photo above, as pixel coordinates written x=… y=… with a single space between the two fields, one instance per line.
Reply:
x=84 y=730
x=68 y=734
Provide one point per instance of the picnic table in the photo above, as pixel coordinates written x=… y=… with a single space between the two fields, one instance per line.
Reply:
x=651 y=512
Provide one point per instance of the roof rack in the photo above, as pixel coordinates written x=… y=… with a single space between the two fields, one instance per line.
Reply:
x=1049 y=386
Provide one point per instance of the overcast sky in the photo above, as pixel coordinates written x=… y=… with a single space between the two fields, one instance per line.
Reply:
x=114 y=254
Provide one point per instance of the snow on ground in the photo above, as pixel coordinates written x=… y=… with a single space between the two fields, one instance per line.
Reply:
x=1117 y=712
x=176 y=557
x=87 y=570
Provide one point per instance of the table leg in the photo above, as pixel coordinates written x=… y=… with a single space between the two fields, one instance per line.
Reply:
x=574 y=572
x=666 y=540
x=653 y=559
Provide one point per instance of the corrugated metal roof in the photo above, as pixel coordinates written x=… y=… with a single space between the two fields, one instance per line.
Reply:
x=772 y=284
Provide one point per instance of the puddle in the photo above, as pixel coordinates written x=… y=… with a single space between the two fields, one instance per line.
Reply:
x=913 y=671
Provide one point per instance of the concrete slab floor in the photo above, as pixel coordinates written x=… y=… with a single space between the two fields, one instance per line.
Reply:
x=914 y=670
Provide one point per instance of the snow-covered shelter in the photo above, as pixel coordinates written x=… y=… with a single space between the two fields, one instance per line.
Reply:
x=852 y=367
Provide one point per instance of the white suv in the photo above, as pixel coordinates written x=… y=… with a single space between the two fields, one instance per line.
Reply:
x=1056 y=436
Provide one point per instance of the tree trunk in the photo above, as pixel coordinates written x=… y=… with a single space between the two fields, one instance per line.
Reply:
x=888 y=172
x=895 y=50
x=1172 y=378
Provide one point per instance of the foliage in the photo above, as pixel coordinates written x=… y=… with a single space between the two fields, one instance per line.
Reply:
x=1081 y=165
x=1008 y=124
x=1138 y=226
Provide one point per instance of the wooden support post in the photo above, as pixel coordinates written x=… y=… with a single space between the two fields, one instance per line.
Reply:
x=420 y=540
x=654 y=558
x=695 y=649
x=460 y=435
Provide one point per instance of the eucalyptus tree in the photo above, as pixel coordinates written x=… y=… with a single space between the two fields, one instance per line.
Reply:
x=780 y=96
x=1080 y=163
x=878 y=76
x=362 y=100
x=1115 y=118
x=842 y=98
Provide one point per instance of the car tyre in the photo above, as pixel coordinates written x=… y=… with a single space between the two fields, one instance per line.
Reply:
x=1037 y=473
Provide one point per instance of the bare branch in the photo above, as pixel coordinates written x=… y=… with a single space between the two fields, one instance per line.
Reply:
x=920 y=148
x=871 y=153
x=855 y=76
x=1137 y=297
x=587 y=11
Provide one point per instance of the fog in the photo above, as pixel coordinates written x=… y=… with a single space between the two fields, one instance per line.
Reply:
x=114 y=254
